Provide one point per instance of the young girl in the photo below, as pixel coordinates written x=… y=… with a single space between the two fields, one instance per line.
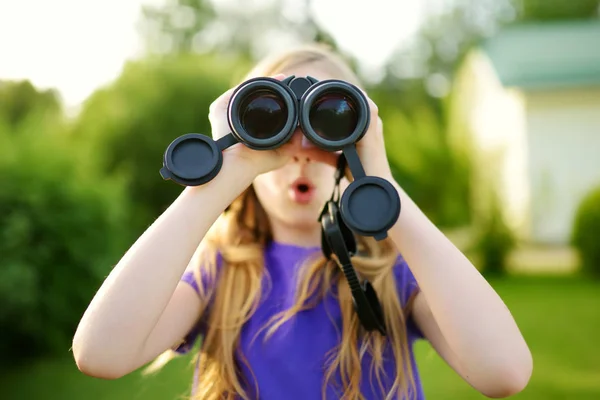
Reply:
x=238 y=262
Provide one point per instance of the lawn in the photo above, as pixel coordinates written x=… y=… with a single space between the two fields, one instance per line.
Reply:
x=560 y=318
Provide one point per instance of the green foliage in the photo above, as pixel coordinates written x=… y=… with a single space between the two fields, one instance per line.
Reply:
x=62 y=229
x=494 y=241
x=545 y=10
x=128 y=125
x=422 y=159
x=586 y=228
x=443 y=40
x=20 y=100
x=235 y=27
x=174 y=27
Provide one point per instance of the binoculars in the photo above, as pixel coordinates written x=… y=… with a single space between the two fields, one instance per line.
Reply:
x=263 y=114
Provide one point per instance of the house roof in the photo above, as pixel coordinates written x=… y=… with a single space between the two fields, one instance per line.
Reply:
x=547 y=55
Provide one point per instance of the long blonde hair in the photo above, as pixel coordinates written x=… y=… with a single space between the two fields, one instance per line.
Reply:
x=240 y=236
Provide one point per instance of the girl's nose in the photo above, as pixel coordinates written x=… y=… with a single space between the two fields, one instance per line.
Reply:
x=307 y=144
x=302 y=158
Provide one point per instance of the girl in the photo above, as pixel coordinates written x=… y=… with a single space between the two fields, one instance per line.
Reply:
x=238 y=261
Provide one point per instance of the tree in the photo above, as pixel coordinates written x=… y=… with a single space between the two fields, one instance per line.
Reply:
x=235 y=27
x=128 y=126
x=20 y=100
x=445 y=38
x=63 y=226
x=176 y=26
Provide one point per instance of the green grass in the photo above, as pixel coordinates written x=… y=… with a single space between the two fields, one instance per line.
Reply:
x=559 y=317
x=61 y=380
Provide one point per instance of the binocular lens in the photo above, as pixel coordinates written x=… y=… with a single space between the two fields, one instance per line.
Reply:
x=333 y=116
x=263 y=114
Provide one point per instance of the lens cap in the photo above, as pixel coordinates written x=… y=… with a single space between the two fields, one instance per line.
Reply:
x=370 y=206
x=191 y=160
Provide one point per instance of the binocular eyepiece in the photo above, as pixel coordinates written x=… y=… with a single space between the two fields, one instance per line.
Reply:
x=263 y=114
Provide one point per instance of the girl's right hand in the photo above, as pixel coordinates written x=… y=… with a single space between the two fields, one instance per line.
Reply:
x=260 y=161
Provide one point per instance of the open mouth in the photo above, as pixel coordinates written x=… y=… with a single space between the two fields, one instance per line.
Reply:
x=302 y=191
x=303 y=187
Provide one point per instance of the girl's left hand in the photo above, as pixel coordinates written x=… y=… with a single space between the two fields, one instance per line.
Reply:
x=371 y=148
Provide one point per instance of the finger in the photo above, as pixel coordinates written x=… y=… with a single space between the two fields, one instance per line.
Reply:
x=373 y=109
x=221 y=101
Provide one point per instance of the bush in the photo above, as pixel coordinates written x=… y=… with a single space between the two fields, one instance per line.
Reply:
x=586 y=228
x=62 y=230
x=495 y=240
x=129 y=124
x=20 y=100
x=423 y=160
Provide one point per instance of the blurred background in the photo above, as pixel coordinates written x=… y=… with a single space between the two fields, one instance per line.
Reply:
x=492 y=124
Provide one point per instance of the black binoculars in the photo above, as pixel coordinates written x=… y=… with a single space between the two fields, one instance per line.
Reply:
x=263 y=114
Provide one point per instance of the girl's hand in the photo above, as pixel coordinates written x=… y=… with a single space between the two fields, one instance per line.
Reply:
x=260 y=161
x=371 y=148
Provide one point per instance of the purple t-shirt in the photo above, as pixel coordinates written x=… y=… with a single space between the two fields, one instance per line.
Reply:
x=290 y=364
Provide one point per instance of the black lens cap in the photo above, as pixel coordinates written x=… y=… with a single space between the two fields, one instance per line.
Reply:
x=370 y=206
x=191 y=160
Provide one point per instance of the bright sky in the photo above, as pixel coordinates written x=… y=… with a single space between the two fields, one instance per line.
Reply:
x=77 y=45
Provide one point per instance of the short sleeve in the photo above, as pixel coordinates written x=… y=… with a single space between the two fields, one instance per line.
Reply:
x=199 y=329
x=407 y=287
x=189 y=278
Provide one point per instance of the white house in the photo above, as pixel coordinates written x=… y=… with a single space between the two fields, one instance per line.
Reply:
x=529 y=98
